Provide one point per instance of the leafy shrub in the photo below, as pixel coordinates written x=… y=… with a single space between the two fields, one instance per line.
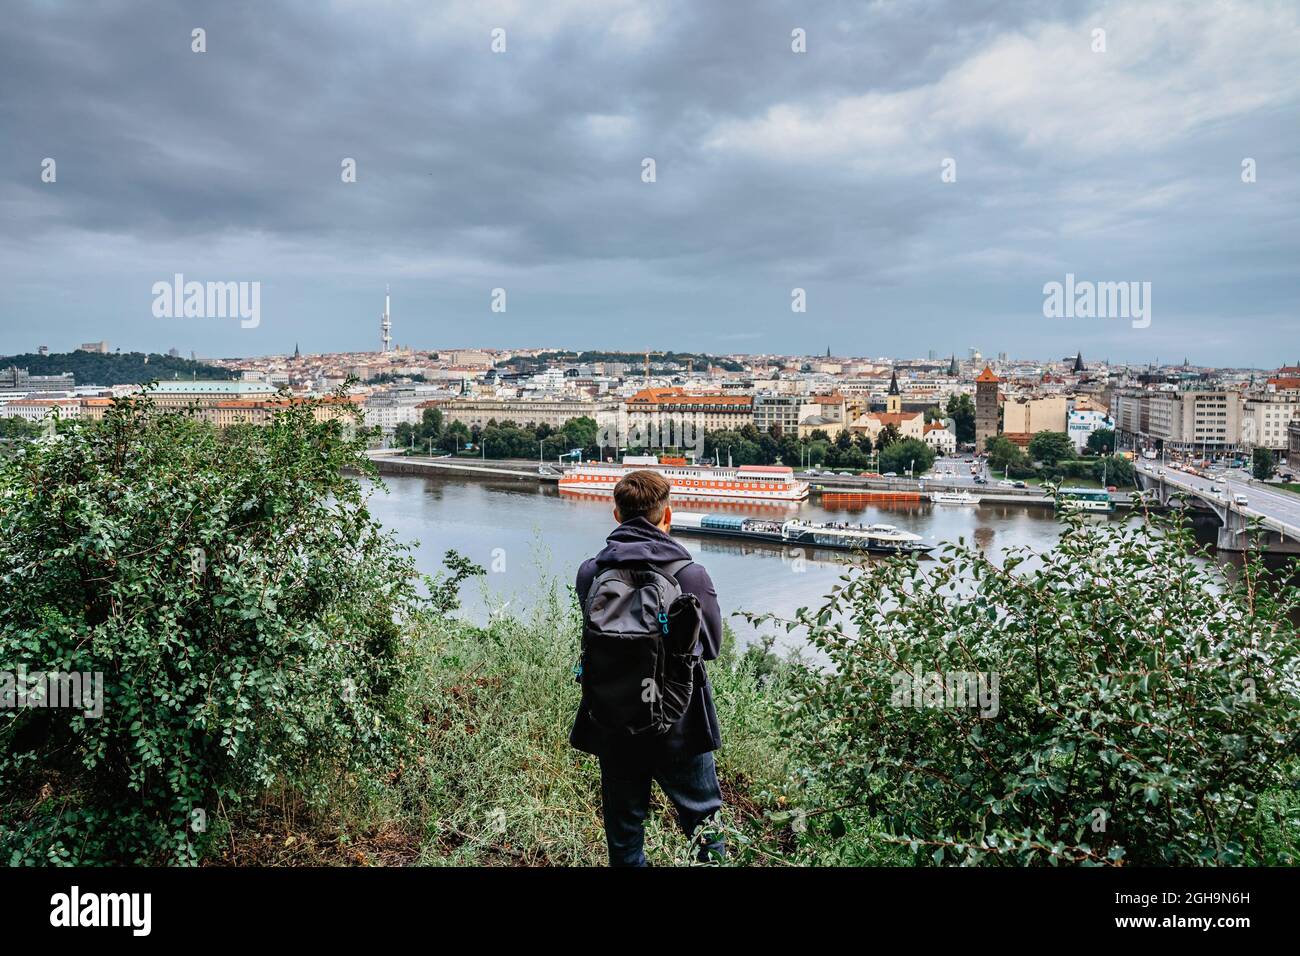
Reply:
x=1146 y=698
x=243 y=607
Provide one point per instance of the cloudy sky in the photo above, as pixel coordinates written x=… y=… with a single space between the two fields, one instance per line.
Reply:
x=774 y=170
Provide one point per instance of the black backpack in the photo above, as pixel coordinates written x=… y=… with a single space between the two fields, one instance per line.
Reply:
x=638 y=636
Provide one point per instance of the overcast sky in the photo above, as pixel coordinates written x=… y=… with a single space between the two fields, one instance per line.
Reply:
x=775 y=170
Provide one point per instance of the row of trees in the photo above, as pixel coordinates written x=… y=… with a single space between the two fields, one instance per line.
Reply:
x=743 y=446
x=1052 y=455
x=498 y=439
x=889 y=452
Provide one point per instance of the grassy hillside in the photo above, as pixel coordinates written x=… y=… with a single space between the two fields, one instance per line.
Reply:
x=277 y=689
x=489 y=778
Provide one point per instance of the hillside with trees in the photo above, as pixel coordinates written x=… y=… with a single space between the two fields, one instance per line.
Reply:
x=694 y=359
x=121 y=368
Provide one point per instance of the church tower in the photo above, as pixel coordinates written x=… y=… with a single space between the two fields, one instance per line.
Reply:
x=894 y=403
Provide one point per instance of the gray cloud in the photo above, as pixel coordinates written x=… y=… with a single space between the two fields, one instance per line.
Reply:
x=775 y=170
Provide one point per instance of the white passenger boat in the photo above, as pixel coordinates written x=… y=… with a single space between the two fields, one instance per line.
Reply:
x=954 y=498
x=757 y=483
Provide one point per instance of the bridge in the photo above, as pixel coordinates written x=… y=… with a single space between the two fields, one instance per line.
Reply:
x=1275 y=514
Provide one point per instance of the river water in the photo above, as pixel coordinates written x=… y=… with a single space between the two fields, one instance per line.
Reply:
x=523 y=531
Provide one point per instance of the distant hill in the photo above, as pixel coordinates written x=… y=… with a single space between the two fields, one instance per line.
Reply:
x=696 y=359
x=125 y=368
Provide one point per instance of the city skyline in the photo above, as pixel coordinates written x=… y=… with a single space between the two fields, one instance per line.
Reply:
x=776 y=169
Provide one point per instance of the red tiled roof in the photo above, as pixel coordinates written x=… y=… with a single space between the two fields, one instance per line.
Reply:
x=679 y=396
x=987 y=376
x=893 y=418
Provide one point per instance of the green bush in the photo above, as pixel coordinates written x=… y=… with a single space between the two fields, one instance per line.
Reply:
x=1145 y=701
x=244 y=610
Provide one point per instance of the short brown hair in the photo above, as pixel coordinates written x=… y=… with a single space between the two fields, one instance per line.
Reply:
x=642 y=494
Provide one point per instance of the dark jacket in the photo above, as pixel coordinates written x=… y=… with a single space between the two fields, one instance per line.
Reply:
x=697 y=732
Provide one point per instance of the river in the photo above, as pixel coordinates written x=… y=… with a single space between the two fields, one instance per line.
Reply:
x=522 y=531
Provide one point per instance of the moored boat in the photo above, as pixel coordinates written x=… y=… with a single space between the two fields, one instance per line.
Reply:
x=954 y=498
x=873 y=538
x=1084 y=499
x=739 y=483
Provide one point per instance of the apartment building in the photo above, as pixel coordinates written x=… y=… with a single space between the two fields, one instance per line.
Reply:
x=1028 y=417
x=1265 y=419
x=941 y=438
x=402 y=405
x=172 y=395
x=223 y=414
x=784 y=411
x=477 y=412
x=18 y=379
x=1193 y=421
x=1082 y=422
x=661 y=414
x=35 y=409
x=94 y=409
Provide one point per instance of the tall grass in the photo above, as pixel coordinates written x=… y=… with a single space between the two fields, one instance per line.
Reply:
x=495 y=780
x=486 y=775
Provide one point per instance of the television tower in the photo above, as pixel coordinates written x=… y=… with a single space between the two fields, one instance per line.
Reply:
x=386 y=325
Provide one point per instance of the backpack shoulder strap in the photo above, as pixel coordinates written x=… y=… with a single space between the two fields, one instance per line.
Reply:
x=674 y=568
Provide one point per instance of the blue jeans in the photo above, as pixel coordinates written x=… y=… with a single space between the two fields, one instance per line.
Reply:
x=690 y=783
